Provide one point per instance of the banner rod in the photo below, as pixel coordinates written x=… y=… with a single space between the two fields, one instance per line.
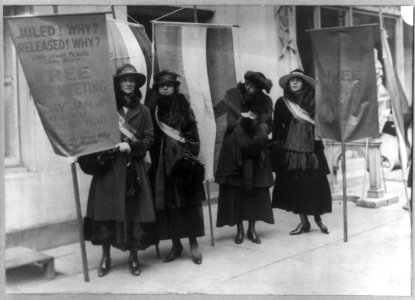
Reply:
x=212 y=239
x=341 y=27
x=344 y=191
x=79 y=218
x=192 y=24
x=60 y=15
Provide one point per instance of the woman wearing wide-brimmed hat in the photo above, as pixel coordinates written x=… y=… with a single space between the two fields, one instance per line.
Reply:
x=176 y=174
x=298 y=159
x=120 y=210
x=243 y=169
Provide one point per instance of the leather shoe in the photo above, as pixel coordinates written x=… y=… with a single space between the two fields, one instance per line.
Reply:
x=239 y=238
x=301 y=228
x=134 y=266
x=104 y=267
x=322 y=227
x=320 y=224
x=196 y=256
x=175 y=251
x=251 y=234
x=197 y=259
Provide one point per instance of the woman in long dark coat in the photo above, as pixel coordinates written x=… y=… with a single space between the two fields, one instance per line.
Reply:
x=301 y=184
x=177 y=182
x=243 y=170
x=120 y=209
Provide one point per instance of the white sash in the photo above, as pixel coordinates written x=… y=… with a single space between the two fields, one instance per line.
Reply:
x=169 y=131
x=297 y=111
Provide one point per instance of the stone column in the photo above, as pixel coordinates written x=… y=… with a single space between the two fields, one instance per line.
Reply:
x=376 y=196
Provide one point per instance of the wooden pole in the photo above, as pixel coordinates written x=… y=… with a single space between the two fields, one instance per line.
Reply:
x=80 y=225
x=212 y=240
x=344 y=191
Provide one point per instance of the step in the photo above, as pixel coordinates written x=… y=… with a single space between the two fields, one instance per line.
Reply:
x=21 y=256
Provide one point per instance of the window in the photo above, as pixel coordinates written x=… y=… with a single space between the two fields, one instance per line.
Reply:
x=309 y=17
x=11 y=96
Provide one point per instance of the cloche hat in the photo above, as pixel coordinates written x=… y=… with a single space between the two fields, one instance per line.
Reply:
x=259 y=79
x=130 y=70
x=166 y=77
x=299 y=74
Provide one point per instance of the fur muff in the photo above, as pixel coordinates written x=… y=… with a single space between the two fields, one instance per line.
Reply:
x=188 y=176
x=251 y=140
x=96 y=163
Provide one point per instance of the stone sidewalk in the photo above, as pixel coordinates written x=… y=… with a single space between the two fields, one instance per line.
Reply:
x=376 y=260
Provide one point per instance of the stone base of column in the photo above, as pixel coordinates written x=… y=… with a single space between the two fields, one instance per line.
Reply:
x=386 y=200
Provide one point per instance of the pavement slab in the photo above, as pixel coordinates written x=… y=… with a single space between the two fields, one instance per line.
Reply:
x=375 y=260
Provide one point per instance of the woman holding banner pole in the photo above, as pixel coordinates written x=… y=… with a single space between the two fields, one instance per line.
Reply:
x=176 y=174
x=301 y=184
x=243 y=171
x=120 y=209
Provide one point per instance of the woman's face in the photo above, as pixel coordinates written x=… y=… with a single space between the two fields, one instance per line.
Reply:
x=127 y=84
x=296 y=84
x=166 y=89
x=250 y=87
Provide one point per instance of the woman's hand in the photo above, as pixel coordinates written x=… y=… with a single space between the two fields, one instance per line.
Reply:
x=123 y=147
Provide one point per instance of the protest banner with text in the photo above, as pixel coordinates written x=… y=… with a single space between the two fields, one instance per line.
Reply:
x=66 y=62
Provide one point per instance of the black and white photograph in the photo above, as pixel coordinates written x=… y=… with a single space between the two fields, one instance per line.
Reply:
x=207 y=149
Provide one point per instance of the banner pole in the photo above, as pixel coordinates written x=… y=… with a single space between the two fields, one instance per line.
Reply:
x=344 y=191
x=80 y=226
x=212 y=240
x=365 y=167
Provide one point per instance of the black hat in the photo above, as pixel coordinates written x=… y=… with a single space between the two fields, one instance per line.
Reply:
x=130 y=70
x=299 y=74
x=166 y=77
x=259 y=79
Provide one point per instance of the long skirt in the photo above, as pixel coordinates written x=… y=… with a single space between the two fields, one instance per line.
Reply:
x=302 y=192
x=236 y=204
x=124 y=235
x=183 y=222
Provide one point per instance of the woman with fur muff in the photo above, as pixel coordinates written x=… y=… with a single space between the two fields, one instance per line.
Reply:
x=243 y=169
x=176 y=175
x=301 y=184
x=120 y=210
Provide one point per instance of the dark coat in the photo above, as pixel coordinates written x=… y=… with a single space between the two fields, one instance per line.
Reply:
x=106 y=200
x=282 y=120
x=232 y=166
x=178 y=190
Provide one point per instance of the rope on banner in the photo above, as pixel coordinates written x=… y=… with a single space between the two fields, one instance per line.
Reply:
x=170 y=13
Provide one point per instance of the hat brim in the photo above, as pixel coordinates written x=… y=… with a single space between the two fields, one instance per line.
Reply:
x=175 y=82
x=139 y=78
x=284 y=79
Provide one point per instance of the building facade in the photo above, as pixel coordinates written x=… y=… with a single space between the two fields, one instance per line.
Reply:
x=39 y=197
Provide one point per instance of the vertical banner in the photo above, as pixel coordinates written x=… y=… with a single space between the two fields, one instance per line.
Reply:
x=66 y=62
x=400 y=106
x=203 y=56
x=346 y=92
x=129 y=44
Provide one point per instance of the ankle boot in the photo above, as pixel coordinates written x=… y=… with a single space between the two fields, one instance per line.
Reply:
x=104 y=266
x=320 y=224
x=175 y=251
x=194 y=250
x=251 y=234
x=239 y=238
x=133 y=264
x=304 y=226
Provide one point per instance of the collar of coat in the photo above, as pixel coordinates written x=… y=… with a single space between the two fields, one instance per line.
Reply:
x=132 y=112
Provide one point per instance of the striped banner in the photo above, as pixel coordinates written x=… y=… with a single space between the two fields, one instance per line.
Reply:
x=129 y=43
x=203 y=55
x=400 y=106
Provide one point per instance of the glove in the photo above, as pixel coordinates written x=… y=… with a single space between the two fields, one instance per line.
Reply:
x=123 y=147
